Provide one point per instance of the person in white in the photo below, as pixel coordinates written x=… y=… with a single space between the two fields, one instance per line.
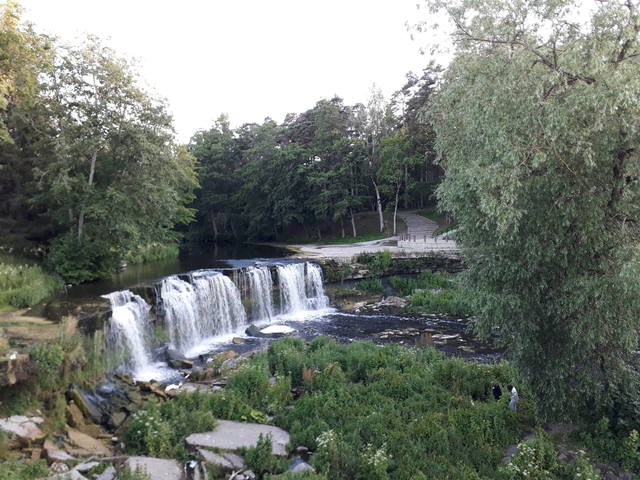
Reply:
x=514 y=397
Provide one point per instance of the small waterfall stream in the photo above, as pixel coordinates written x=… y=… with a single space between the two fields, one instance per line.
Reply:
x=205 y=306
x=128 y=334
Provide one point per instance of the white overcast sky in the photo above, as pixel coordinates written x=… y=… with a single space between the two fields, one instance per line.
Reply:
x=248 y=58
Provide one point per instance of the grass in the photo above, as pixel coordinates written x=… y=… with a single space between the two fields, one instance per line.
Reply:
x=152 y=252
x=24 y=285
x=367 y=227
x=434 y=293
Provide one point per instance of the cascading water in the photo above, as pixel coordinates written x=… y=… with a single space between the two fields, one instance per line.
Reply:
x=260 y=291
x=128 y=333
x=301 y=287
x=197 y=311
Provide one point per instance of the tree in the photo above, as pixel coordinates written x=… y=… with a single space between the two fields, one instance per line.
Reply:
x=109 y=176
x=538 y=125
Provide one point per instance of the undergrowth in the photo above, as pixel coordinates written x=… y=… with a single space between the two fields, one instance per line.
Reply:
x=25 y=285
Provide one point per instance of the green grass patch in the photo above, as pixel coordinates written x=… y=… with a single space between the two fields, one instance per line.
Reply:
x=371 y=285
x=153 y=252
x=23 y=470
x=25 y=285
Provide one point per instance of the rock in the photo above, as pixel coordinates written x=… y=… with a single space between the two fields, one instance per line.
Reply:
x=74 y=415
x=253 y=331
x=225 y=461
x=238 y=341
x=248 y=475
x=92 y=430
x=222 y=356
x=58 y=467
x=108 y=474
x=87 y=410
x=72 y=475
x=232 y=364
x=153 y=387
x=14 y=367
x=25 y=428
x=300 y=466
x=156 y=468
x=116 y=419
x=85 y=442
x=54 y=454
x=277 y=330
x=230 y=435
x=85 y=467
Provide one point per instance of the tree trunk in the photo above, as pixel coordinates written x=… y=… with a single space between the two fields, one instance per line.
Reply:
x=215 y=227
x=395 y=208
x=353 y=223
x=318 y=232
x=379 y=205
x=92 y=172
x=406 y=189
x=342 y=227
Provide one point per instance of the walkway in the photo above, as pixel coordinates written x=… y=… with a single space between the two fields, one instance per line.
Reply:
x=419 y=239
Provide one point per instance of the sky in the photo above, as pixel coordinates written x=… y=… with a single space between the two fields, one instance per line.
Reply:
x=247 y=58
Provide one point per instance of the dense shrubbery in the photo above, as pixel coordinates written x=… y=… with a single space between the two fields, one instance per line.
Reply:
x=377 y=263
x=152 y=252
x=372 y=285
x=25 y=285
x=433 y=293
x=623 y=448
x=391 y=412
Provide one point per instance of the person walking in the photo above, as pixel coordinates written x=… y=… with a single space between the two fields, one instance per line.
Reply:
x=514 y=397
x=496 y=390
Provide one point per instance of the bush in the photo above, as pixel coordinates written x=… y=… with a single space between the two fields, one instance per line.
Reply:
x=373 y=285
x=426 y=280
x=621 y=447
x=446 y=302
x=377 y=263
x=261 y=461
x=48 y=359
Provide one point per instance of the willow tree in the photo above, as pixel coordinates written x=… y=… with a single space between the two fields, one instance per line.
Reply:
x=538 y=126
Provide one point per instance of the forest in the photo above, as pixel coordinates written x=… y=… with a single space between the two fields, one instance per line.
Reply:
x=529 y=138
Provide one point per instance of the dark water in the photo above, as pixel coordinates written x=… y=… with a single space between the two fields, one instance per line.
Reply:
x=190 y=258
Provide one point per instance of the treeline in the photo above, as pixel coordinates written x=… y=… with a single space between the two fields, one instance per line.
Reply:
x=317 y=168
x=89 y=168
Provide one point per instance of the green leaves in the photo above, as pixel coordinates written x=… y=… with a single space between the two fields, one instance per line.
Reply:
x=537 y=130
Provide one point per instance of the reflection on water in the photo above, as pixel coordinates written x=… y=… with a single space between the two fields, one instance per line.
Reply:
x=190 y=258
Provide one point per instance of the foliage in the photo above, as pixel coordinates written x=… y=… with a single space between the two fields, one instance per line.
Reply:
x=48 y=359
x=623 y=447
x=448 y=302
x=425 y=280
x=537 y=459
x=377 y=263
x=160 y=429
x=537 y=127
x=393 y=412
x=373 y=285
x=25 y=285
x=261 y=461
x=152 y=252
x=23 y=470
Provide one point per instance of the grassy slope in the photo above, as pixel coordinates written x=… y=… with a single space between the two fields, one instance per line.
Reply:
x=367 y=227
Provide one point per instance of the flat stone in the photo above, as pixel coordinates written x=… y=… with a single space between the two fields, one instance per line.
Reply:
x=156 y=468
x=85 y=442
x=238 y=340
x=55 y=454
x=226 y=461
x=85 y=467
x=25 y=428
x=230 y=435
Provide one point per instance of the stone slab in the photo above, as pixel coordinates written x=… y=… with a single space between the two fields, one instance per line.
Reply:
x=226 y=461
x=25 y=428
x=156 y=468
x=230 y=435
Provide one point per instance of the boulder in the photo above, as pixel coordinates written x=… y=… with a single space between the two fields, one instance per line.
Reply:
x=232 y=364
x=253 y=331
x=85 y=442
x=85 y=466
x=25 y=428
x=230 y=435
x=87 y=410
x=224 y=461
x=238 y=340
x=156 y=468
x=72 y=475
x=74 y=415
x=300 y=466
x=55 y=454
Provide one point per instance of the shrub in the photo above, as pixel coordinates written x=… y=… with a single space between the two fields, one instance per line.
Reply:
x=426 y=280
x=377 y=263
x=48 y=359
x=373 y=285
x=261 y=461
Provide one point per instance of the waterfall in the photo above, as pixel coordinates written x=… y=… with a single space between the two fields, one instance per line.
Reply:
x=260 y=287
x=316 y=298
x=301 y=287
x=128 y=332
x=197 y=311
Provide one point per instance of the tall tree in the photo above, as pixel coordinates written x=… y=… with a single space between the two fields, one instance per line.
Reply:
x=538 y=124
